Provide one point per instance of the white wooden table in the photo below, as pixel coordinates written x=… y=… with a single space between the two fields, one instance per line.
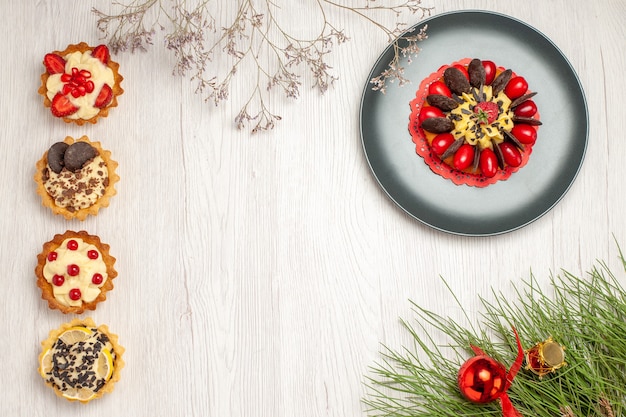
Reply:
x=259 y=275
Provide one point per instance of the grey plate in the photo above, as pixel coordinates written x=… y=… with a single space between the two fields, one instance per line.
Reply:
x=506 y=205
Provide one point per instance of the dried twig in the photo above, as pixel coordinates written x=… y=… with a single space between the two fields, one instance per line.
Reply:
x=253 y=38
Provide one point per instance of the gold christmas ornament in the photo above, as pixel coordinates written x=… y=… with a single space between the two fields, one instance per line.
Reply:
x=545 y=357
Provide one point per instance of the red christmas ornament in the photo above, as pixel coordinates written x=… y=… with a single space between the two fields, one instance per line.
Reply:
x=482 y=379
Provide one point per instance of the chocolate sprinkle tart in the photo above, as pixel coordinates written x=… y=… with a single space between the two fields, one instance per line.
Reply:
x=76 y=365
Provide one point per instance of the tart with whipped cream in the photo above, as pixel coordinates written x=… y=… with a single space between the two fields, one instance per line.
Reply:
x=81 y=83
x=75 y=271
x=81 y=361
x=474 y=123
x=75 y=178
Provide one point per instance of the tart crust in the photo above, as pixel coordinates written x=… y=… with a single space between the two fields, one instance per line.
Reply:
x=46 y=288
x=118 y=363
x=103 y=201
x=116 y=88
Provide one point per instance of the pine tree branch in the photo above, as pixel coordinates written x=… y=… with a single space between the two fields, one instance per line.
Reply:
x=586 y=314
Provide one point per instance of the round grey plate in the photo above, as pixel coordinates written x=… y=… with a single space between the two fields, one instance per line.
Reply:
x=506 y=205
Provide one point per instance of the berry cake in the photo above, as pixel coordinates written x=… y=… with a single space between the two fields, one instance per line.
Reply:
x=81 y=361
x=81 y=83
x=473 y=122
x=75 y=178
x=74 y=272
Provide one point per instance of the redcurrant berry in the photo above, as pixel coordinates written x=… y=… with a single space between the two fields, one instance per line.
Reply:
x=93 y=254
x=73 y=270
x=52 y=256
x=72 y=244
x=97 y=279
x=75 y=294
x=58 y=280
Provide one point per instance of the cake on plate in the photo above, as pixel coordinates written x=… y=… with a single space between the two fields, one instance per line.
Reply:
x=473 y=122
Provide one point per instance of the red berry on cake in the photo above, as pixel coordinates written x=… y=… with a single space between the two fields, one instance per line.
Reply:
x=75 y=294
x=488 y=162
x=487 y=112
x=516 y=87
x=58 y=280
x=97 y=279
x=490 y=71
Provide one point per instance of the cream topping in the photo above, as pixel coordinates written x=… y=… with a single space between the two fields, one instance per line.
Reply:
x=100 y=75
x=77 y=190
x=475 y=133
x=88 y=263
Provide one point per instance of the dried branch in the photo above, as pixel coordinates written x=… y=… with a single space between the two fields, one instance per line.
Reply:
x=254 y=37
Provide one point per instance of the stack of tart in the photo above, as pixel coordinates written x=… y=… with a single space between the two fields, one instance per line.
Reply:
x=75 y=178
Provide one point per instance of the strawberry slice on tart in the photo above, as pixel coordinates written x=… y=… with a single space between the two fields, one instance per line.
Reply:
x=101 y=52
x=104 y=97
x=62 y=106
x=54 y=63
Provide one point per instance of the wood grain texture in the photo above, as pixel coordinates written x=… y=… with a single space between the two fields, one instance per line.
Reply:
x=259 y=275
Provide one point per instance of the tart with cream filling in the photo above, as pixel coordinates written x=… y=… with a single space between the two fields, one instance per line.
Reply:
x=81 y=83
x=474 y=123
x=75 y=271
x=75 y=178
x=81 y=361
